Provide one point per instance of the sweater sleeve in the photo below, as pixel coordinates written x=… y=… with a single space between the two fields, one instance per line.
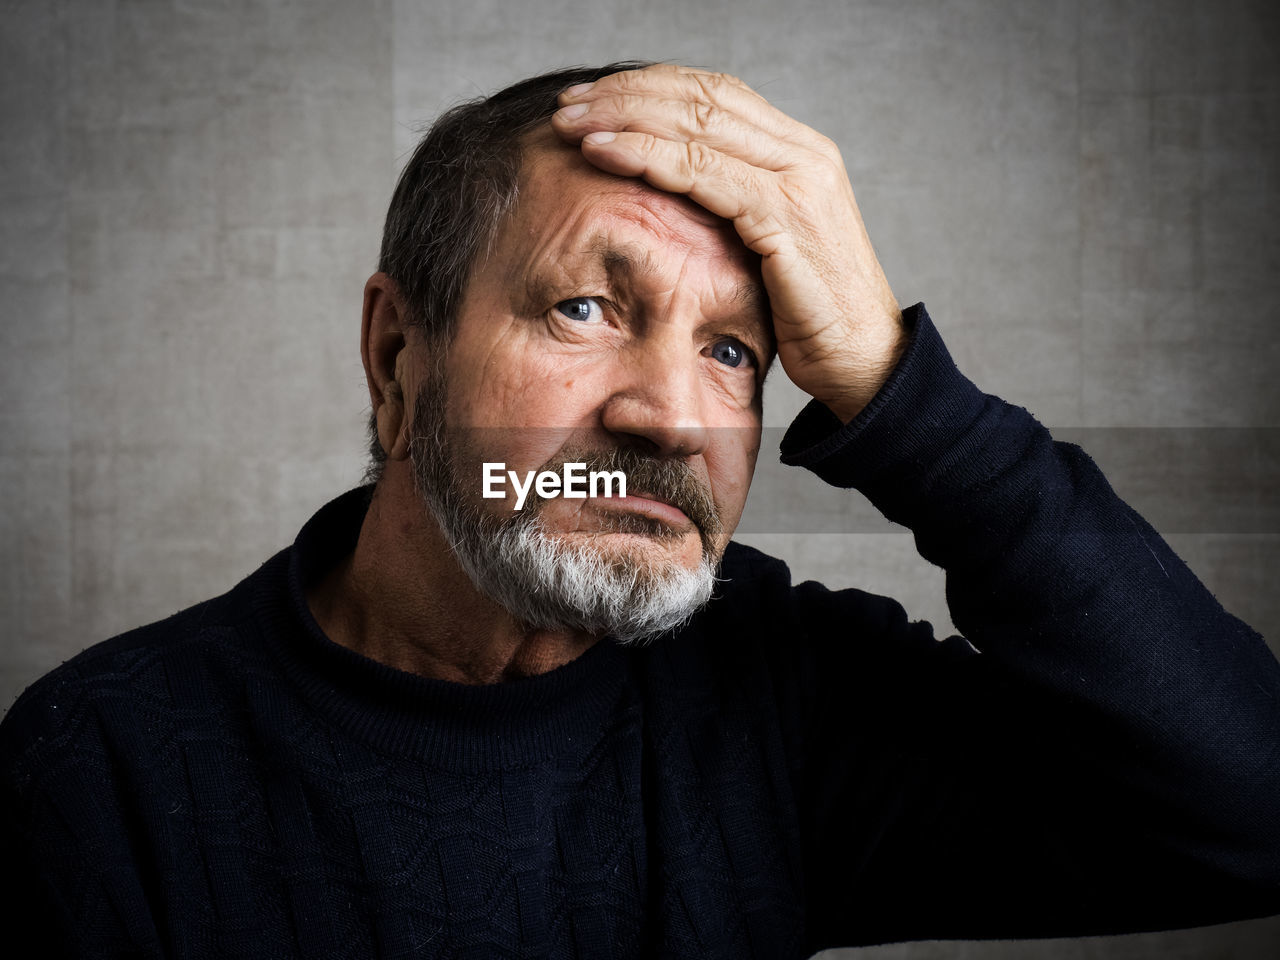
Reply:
x=1099 y=753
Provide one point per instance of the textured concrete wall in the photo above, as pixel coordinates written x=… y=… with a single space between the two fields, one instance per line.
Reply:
x=1083 y=191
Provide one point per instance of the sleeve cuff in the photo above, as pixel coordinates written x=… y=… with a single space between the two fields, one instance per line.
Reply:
x=909 y=425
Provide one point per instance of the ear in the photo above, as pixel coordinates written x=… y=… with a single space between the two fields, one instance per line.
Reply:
x=383 y=327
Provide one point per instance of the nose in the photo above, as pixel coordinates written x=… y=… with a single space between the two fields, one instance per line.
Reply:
x=658 y=397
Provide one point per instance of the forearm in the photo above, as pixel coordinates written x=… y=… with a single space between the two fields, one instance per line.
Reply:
x=1158 y=705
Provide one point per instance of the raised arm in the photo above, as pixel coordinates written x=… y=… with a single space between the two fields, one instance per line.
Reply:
x=1103 y=751
x=1109 y=758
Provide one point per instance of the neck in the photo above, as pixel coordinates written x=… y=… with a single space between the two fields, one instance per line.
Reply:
x=402 y=599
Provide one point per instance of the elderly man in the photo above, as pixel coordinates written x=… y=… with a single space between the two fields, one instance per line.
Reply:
x=431 y=727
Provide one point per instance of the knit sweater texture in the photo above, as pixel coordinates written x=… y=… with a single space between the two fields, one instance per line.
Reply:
x=797 y=768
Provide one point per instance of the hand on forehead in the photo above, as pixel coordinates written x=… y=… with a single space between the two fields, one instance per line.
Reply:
x=784 y=188
x=687 y=131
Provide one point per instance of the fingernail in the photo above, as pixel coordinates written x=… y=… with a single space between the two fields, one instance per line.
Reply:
x=600 y=136
x=578 y=89
x=573 y=112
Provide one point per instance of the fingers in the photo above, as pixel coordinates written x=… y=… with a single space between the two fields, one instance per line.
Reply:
x=728 y=187
x=671 y=80
x=707 y=136
x=684 y=103
x=681 y=120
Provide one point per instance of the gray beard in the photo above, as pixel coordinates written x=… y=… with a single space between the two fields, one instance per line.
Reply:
x=539 y=579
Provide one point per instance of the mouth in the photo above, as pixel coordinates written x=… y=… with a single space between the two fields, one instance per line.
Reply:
x=648 y=504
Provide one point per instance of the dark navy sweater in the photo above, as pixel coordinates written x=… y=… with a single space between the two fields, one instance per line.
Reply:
x=798 y=768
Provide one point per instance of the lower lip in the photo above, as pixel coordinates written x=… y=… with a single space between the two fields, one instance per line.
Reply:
x=672 y=516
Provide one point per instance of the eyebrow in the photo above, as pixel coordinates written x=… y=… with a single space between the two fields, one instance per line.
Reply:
x=621 y=264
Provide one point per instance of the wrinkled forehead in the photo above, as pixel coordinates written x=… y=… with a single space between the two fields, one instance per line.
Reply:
x=556 y=181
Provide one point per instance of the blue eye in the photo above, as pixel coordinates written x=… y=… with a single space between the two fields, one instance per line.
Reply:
x=728 y=352
x=581 y=309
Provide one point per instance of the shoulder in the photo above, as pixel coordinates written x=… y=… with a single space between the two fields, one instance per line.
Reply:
x=822 y=634
x=761 y=587
x=129 y=680
x=99 y=760
x=843 y=646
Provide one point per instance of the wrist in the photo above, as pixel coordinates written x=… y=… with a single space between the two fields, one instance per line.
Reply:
x=875 y=364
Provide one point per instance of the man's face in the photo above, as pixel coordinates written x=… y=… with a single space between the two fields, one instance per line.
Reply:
x=609 y=320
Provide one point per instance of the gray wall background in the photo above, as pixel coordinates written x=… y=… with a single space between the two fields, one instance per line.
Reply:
x=1083 y=191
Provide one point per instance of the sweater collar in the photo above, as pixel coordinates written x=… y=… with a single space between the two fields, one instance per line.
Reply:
x=446 y=724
